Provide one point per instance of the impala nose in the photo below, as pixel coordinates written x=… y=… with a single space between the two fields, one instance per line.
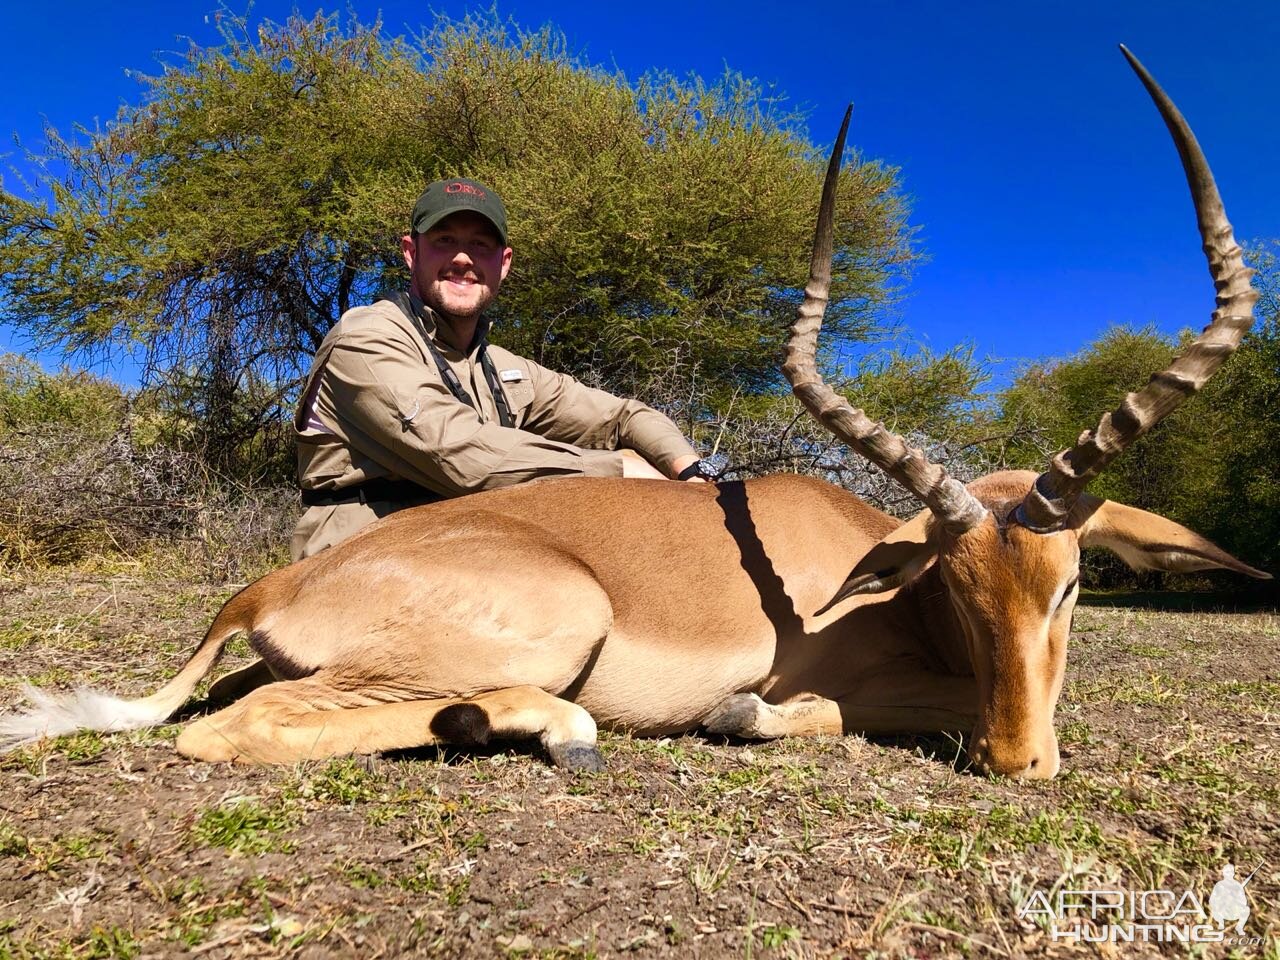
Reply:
x=1017 y=760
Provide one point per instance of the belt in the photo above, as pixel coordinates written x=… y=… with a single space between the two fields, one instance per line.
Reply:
x=380 y=490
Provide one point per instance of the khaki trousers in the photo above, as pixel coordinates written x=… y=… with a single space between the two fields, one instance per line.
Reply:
x=322 y=527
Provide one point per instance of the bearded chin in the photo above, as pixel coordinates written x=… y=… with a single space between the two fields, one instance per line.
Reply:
x=436 y=303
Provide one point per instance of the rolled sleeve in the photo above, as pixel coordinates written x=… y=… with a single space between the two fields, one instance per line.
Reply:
x=567 y=411
x=378 y=391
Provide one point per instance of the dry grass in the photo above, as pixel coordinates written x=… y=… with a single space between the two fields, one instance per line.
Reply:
x=69 y=497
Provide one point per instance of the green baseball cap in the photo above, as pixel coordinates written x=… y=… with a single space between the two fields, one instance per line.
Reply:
x=446 y=197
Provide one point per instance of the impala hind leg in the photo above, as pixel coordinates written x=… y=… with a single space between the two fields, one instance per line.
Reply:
x=239 y=682
x=298 y=720
x=295 y=720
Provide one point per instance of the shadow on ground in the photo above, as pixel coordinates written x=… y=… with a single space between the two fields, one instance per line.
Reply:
x=1213 y=601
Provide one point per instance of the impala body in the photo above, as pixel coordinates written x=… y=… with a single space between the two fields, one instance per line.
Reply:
x=790 y=608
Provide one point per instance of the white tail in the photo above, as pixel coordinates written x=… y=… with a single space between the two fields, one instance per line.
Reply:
x=56 y=714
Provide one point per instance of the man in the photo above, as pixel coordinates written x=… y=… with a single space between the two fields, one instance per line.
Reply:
x=407 y=403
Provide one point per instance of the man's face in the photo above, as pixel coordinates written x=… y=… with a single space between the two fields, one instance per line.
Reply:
x=457 y=265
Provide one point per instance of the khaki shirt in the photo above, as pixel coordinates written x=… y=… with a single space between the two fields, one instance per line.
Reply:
x=383 y=410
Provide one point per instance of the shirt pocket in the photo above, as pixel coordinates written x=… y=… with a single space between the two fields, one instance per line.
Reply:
x=519 y=394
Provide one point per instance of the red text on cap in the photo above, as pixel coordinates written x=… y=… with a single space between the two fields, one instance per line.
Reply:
x=464 y=188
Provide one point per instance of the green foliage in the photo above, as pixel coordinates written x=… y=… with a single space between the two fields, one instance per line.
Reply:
x=31 y=399
x=1236 y=493
x=12 y=843
x=1051 y=402
x=259 y=187
x=938 y=395
x=244 y=825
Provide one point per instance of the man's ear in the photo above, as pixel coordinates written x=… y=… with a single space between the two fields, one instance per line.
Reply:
x=409 y=250
x=1147 y=541
x=891 y=562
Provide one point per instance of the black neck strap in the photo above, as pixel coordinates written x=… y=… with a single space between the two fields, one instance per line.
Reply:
x=409 y=307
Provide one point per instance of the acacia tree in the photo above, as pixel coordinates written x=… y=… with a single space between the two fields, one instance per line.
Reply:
x=257 y=190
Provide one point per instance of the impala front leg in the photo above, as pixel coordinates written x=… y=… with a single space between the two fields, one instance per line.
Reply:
x=917 y=702
x=746 y=715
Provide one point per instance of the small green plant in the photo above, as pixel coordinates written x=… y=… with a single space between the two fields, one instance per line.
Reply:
x=81 y=747
x=243 y=825
x=347 y=781
x=115 y=942
x=456 y=893
x=362 y=875
x=12 y=843
x=775 y=936
x=673 y=934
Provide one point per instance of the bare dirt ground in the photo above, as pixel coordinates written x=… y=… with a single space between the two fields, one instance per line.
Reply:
x=114 y=846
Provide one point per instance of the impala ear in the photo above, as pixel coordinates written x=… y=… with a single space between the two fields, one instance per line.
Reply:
x=891 y=562
x=1147 y=541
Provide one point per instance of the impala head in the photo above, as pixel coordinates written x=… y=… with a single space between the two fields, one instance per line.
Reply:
x=1012 y=593
x=1007 y=547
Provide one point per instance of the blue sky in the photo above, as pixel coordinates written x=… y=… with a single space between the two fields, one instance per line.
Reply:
x=1048 y=197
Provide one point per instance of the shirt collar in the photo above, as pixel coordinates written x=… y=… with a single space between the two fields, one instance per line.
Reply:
x=431 y=323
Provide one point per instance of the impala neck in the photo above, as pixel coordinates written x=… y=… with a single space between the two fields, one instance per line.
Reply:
x=924 y=608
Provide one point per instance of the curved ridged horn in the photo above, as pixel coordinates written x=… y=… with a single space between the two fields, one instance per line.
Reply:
x=1056 y=491
x=951 y=503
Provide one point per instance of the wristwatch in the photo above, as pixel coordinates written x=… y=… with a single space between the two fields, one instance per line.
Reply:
x=694 y=469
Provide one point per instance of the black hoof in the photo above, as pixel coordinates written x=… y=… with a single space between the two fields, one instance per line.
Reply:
x=735 y=717
x=577 y=756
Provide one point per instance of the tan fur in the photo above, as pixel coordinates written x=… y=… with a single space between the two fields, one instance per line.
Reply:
x=542 y=610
